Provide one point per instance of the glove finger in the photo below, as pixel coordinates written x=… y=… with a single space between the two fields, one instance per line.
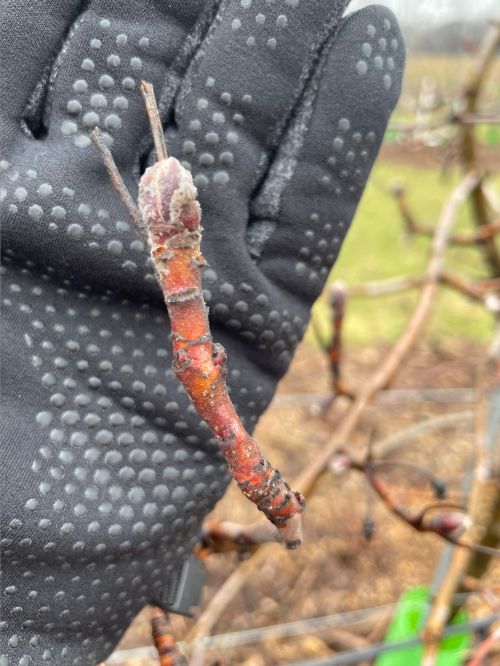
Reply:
x=112 y=48
x=31 y=34
x=240 y=88
x=307 y=203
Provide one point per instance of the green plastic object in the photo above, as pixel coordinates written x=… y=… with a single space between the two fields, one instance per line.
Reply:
x=407 y=622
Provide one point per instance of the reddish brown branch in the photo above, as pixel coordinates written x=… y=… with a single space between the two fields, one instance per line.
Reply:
x=414 y=226
x=164 y=640
x=169 y=208
x=476 y=290
x=223 y=536
x=447 y=524
x=337 y=302
x=337 y=305
x=333 y=347
x=338 y=297
x=445 y=518
x=171 y=213
x=437 y=484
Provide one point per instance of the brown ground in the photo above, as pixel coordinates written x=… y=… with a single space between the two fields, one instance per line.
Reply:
x=337 y=569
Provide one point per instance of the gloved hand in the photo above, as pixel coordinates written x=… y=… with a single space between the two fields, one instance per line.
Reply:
x=279 y=109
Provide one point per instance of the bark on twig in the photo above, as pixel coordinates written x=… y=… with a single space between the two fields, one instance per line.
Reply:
x=170 y=210
x=477 y=291
x=223 y=536
x=154 y=120
x=337 y=305
x=163 y=639
x=118 y=183
x=337 y=302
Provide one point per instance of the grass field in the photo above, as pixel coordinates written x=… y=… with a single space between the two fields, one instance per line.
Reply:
x=376 y=247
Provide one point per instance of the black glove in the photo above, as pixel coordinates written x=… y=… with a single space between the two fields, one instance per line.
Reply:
x=279 y=109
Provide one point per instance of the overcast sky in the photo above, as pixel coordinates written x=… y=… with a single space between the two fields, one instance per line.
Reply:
x=433 y=12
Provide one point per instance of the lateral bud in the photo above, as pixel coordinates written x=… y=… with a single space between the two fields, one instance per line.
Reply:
x=450 y=524
x=181 y=361
x=220 y=358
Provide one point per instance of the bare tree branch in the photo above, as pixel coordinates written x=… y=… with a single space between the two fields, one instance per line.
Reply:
x=382 y=376
x=468 y=149
x=481 y=291
x=164 y=640
x=414 y=226
x=483 y=509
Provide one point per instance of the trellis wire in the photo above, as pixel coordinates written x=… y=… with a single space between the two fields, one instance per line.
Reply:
x=277 y=631
x=387 y=397
x=362 y=654
x=287 y=629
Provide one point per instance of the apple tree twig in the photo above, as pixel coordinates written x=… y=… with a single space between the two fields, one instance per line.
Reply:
x=338 y=297
x=118 y=183
x=163 y=639
x=168 y=204
x=445 y=518
x=224 y=536
x=171 y=213
x=414 y=226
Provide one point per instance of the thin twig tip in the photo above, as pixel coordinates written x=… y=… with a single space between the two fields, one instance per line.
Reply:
x=153 y=114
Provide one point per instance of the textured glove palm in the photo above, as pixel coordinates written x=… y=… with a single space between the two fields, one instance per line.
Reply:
x=279 y=109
